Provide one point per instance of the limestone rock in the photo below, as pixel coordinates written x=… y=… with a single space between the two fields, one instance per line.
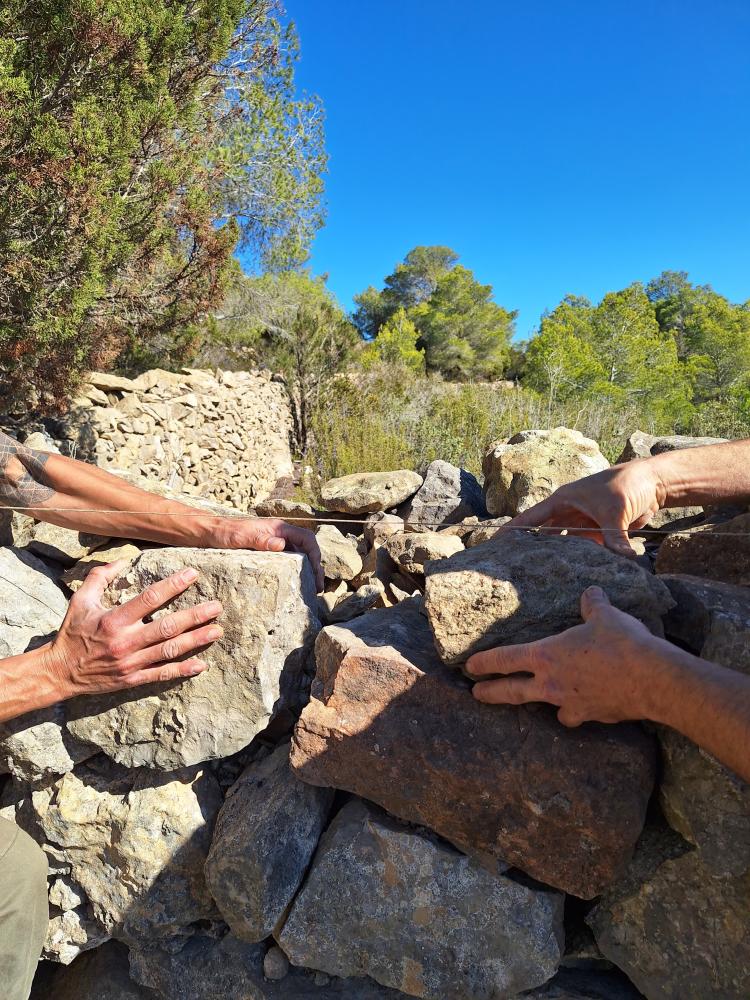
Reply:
x=377 y=566
x=368 y=596
x=412 y=550
x=380 y=525
x=367 y=492
x=486 y=531
x=701 y=606
x=702 y=799
x=642 y=445
x=501 y=781
x=292 y=511
x=229 y=969
x=102 y=974
x=529 y=587
x=671 y=519
x=447 y=495
x=62 y=544
x=638 y=445
x=269 y=625
x=677 y=930
x=74 y=576
x=134 y=842
x=530 y=466
x=418 y=916
x=718 y=551
x=339 y=555
x=266 y=834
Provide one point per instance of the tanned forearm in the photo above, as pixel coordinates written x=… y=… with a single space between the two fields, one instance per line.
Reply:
x=27 y=682
x=71 y=494
x=705 y=702
x=706 y=475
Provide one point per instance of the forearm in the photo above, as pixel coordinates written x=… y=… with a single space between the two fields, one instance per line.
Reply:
x=76 y=495
x=707 y=703
x=27 y=682
x=704 y=475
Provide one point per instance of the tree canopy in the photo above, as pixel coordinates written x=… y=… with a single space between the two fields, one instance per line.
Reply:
x=139 y=144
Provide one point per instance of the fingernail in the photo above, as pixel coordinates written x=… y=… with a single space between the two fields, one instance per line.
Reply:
x=215 y=633
x=197 y=667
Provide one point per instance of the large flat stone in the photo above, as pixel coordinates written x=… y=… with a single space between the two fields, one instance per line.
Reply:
x=504 y=782
x=718 y=551
x=525 y=587
x=265 y=837
x=530 y=466
x=269 y=623
x=418 y=916
x=677 y=930
x=369 y=492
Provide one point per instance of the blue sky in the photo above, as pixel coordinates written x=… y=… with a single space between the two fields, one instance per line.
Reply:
x=557 y=146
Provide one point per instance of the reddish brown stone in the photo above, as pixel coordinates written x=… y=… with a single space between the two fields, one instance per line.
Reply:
x=564 y=805
x=717 y=551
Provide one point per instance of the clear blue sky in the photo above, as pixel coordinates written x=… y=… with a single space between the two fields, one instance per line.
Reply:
x=557 y=145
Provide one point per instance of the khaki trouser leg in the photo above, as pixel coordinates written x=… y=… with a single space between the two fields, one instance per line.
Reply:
x=23 y=910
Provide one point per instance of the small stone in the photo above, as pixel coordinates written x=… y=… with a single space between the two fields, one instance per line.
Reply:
x=275 y=964
x=527 y=588
x=340 y=558
x=486 y=532
x=367 y=492
x=412 y=550
x=380 y=525
x=530 y=466
x=362 y=600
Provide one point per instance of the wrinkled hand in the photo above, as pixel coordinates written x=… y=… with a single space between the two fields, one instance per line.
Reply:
x=99 y=650
x=602 y=671
x=603 y=507
x=273 y=535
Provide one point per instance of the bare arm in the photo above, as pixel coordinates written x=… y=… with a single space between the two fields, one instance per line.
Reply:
x=607 y=505
x=65 y=492
x=611 y=669
x=99 y=650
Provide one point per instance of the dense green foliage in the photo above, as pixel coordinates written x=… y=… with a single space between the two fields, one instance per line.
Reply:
x=464 y=333
x=139 y=144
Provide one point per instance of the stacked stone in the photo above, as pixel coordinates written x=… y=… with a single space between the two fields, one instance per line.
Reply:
x=220 y=435
x=329 y=812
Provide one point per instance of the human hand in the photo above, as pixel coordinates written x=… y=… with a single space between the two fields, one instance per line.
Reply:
x=606 y=670
x=604 y=506
x=274 y=535
x=99 y=650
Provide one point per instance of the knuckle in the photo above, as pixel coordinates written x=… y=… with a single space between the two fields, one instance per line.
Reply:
x=169 y=672
x=170 y=649
x=167 y=627
x=108 y=625
x=151 y=598
x=116 y=648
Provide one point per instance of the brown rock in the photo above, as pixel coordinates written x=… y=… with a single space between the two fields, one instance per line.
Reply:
x=412 y=550
x=566 y=806
x=718 y=551
x=700 y=604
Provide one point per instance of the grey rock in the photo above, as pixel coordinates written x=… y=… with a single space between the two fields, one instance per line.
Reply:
x=530 y=466
x=269 y=625
x=418 y=916
x=447 y=496
x=368 y=492
x=207 y=968
x=642 y=445
x=275 y=964
x=411 y=551
x=700 y=606
x=677 y=930
x=638 y=445
x=292 y=511
x=527 y=588
x=339 y=555
x=63 y=544
x=486 y=532
x=380 y=525
x=368 y=596
x=265 y=836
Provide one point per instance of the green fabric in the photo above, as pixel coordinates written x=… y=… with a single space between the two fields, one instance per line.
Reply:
x=23 y=910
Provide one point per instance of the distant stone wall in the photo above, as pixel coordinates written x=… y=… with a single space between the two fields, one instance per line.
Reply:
x=220 y=435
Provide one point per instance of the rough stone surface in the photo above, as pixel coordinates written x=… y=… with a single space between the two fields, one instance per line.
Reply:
x=642 y=445
x=720 y=552
x=527 y=588
x=502 y=781
x=366 y=597
x=700 y=606
x=412 y=550
x=530 y=466
x=486 y=532
x=229 y=969
x=379 y=526
x=368 y=492
x=134 y=844
x=447 y=496
x=62 y=544
x=291 y=511
x=671 y=519
x=102 y=974
x=638 y=445
x=703 y=800
x=74 y=576
x=266 y=834
x=677 y=930
x=269 y=625
x=339 y=555
x=275 y=965
x=418 y=916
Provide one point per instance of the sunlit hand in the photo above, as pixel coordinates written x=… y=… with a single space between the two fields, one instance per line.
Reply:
x=603 y=507
x=99 y=650
x=604 y=670
x=273 y=535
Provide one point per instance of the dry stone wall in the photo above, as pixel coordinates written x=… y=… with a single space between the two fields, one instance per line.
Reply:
x=328 y=813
